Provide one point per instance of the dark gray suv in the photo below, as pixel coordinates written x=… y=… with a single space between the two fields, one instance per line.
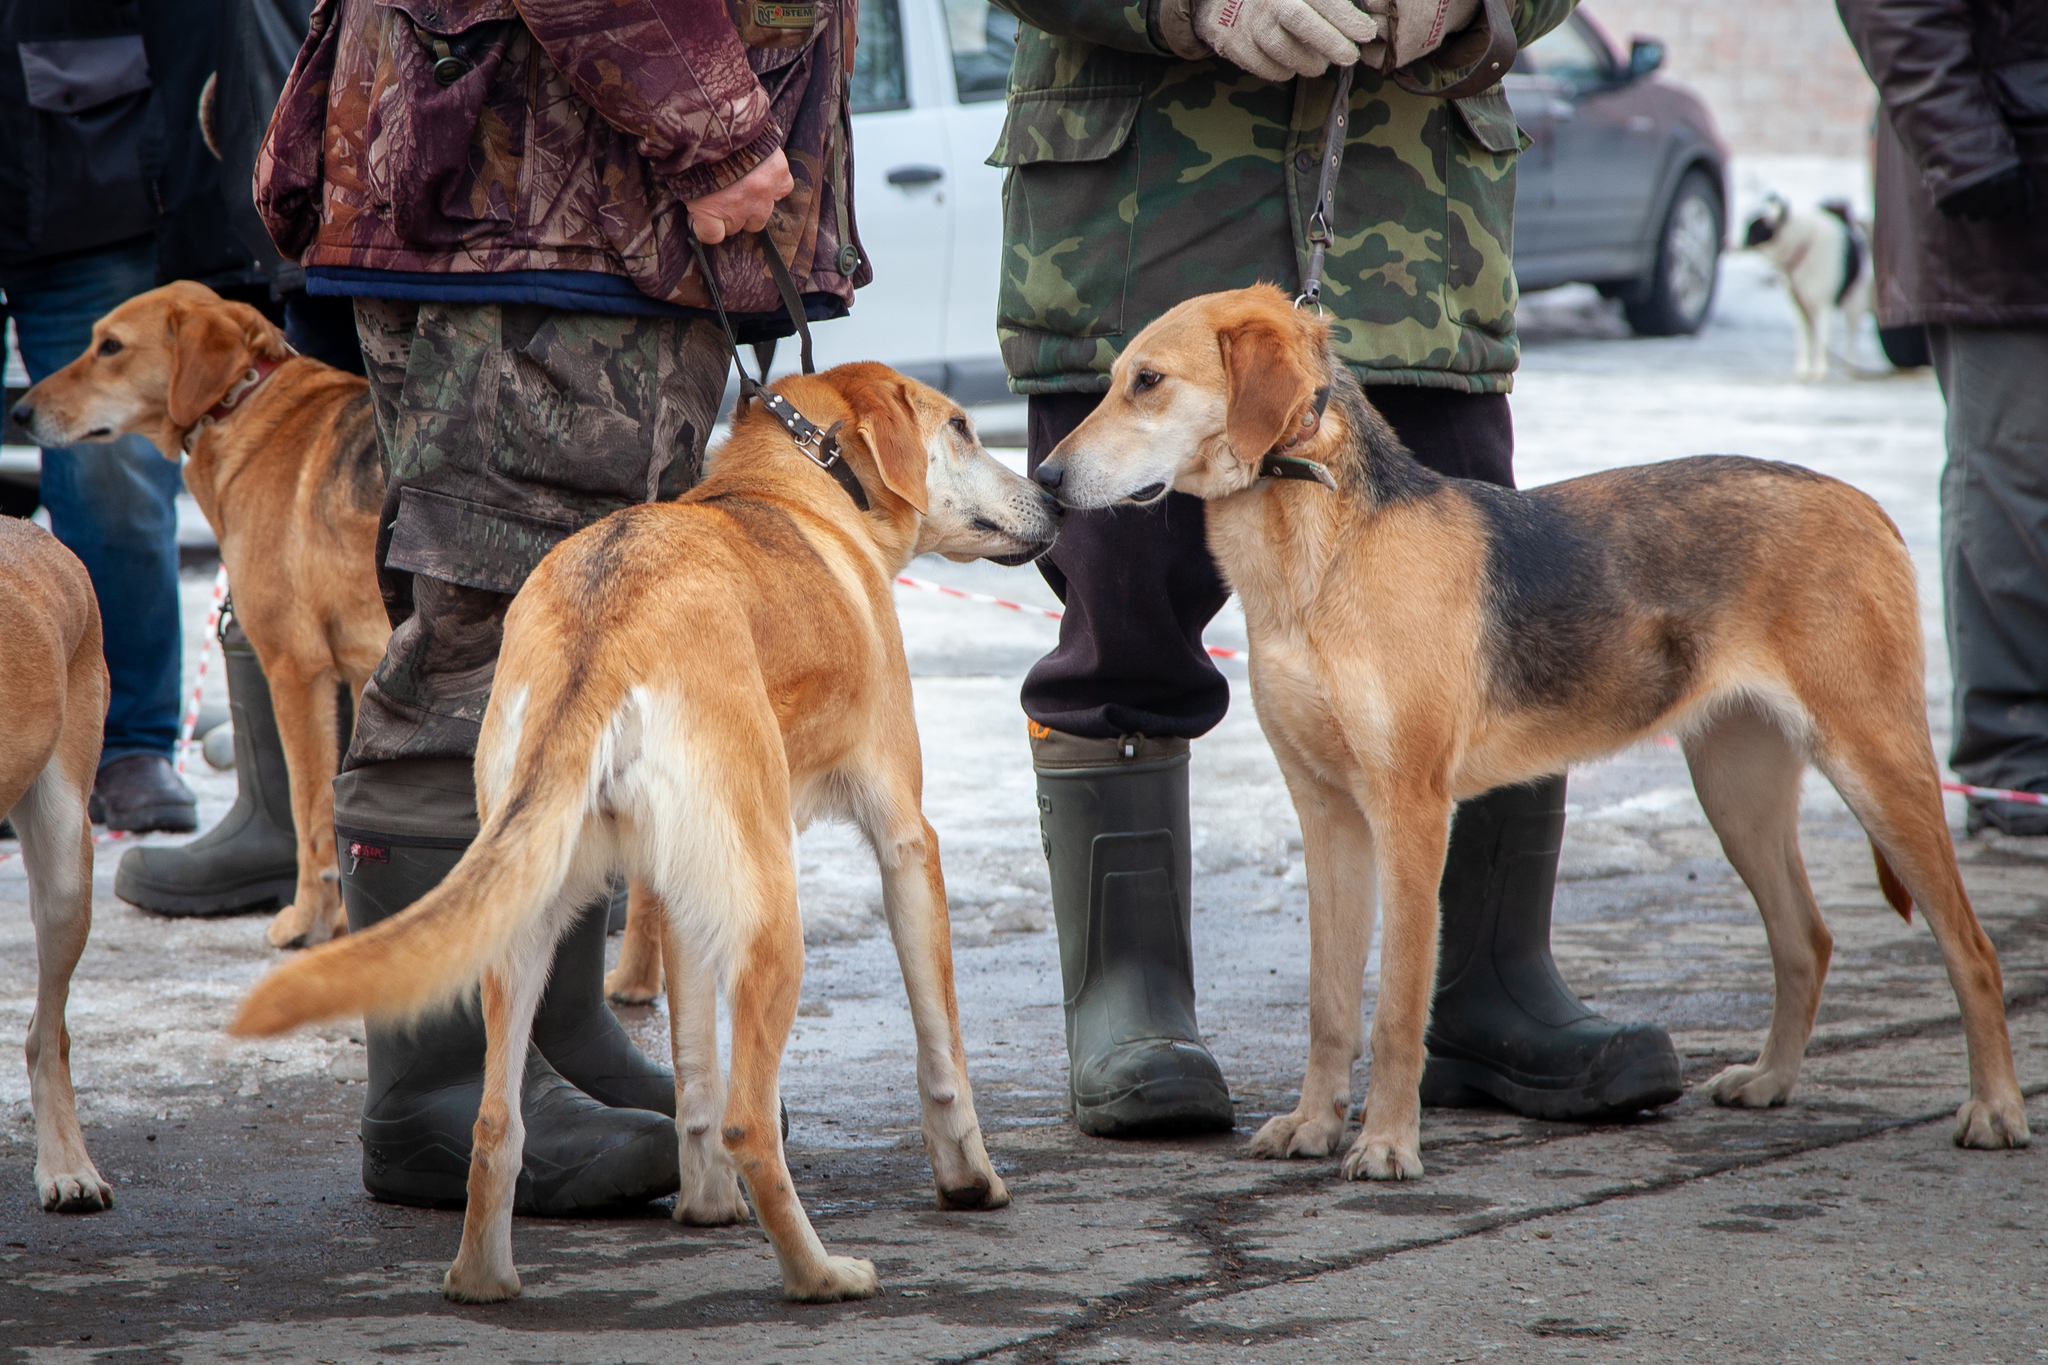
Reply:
x=1626 y=185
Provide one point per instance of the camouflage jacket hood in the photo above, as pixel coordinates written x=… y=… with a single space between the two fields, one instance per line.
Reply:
x=560 y=135
x=1142 y=173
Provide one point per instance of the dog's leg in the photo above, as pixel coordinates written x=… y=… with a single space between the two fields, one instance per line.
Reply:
x=710 y=1192
x=56 y=845
x=766 y=981
x=1338 y=849
x=914 y=899
x=305 y=704
x=483 y=1271
x=637 y=978
x=1803 y=358
x=1889 y=780
x=1411 y=826
x=1746 y=772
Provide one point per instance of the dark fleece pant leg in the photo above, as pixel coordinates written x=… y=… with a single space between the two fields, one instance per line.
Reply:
x=1139 y=584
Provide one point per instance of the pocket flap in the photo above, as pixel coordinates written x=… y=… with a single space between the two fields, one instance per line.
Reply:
x=71 y=75
x=477 y=546
x=450 y=17
x=2026 y=88
x=1087 y=123
x=1490 y=121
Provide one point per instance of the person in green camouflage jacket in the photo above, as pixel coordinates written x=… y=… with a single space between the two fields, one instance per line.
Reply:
x=1145 y=169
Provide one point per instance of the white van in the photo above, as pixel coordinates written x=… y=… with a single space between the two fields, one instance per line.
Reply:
x=927 y=109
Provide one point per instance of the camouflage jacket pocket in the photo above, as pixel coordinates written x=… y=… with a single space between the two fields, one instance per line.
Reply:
x=1491 y=123
x=1069 y=210
x=446 y=130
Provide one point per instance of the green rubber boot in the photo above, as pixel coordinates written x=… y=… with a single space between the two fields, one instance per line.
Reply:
x=1114 y=817
x=250 y=860
x=426 y=1082
x=1505 y=1028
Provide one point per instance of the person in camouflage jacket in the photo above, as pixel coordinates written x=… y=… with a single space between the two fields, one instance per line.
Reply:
x=1144 y=169
x=506 y=189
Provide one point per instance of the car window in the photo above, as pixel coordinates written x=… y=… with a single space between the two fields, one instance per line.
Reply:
x=878 y=60
x=983 y=40
x=1567 y=54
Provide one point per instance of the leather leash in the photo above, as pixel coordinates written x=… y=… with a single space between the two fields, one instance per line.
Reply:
x=1492 y=65
x=820 y=447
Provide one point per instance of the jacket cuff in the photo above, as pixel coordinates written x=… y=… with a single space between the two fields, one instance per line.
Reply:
x=696 y=182
x=1173 y=27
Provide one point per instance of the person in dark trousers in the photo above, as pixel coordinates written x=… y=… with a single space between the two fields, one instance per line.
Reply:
x=536 y=334
x=81 y=168
x=1151 y=162
x=1961 y=245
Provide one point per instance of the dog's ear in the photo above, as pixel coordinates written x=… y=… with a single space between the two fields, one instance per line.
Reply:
x=1267 y=381
x=209 y=347
x=888 y=423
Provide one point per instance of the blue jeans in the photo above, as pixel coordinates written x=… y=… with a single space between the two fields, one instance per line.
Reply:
x=110 y=502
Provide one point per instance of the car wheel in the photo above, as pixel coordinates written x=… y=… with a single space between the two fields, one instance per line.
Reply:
x=1676 y=298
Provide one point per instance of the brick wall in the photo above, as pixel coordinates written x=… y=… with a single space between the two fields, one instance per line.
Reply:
x=1779 y=75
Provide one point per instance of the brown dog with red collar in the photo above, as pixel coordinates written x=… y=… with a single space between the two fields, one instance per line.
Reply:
x=283 y=461
x=1417 y=640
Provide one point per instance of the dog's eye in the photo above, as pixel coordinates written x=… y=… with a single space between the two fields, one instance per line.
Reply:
x=1146 y=379
x=111 y=346
x=959 y=424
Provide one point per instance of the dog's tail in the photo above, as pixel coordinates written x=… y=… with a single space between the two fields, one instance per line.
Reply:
x=495 y=897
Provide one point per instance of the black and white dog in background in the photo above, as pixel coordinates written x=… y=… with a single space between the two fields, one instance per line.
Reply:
x=1824 y=257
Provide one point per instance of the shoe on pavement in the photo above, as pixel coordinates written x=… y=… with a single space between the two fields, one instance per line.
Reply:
x=250 y=860
x=1114 y=816
x=426 y=1080
x=143 y=794
x=1505 y=1028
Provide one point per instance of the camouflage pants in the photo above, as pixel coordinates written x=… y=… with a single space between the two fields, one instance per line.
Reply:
x=505 y=428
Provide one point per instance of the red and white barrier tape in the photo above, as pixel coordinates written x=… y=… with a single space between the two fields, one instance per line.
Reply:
x=208 y=640
x=1054 y=614
x=1049 y=613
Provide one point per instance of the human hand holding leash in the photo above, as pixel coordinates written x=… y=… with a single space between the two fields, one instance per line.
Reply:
x=744 y=205
x=1281 y=39
x=1416 y=28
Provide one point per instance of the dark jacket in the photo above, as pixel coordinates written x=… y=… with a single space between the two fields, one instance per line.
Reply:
x=80 y=139
x=1963 y=86
x=195 y=239
x=567 y=135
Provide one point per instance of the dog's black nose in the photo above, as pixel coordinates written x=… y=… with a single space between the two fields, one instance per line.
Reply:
x=1049 y=476
x=23 y=413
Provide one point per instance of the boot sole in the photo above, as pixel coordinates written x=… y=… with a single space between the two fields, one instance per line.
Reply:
x=1645 y=1083
x=1163 y=1108
x=268 y=893
x=636 y=1172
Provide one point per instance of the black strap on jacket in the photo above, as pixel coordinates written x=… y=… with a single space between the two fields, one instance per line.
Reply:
x=820 y=447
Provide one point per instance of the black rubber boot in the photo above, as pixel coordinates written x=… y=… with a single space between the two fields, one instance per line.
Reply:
x=580 y=1036
x=426 y=1083
x=250 y=860
x=1114 y=817
x=1506 y=1029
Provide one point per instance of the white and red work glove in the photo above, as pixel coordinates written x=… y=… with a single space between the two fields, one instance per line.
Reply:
x=1280 y=39
x=1415 y=28
x=745 y=204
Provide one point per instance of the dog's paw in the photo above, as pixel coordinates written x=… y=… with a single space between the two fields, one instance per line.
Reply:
x=634 y=990
x=833 y=1280
x=985 y=1190
x=1991 y=1126
x=715 y=1203
x=461 y=1285
x=81 y=1191
x=1298 y=1135
x=1381 y=1157
x=1749 y=1087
